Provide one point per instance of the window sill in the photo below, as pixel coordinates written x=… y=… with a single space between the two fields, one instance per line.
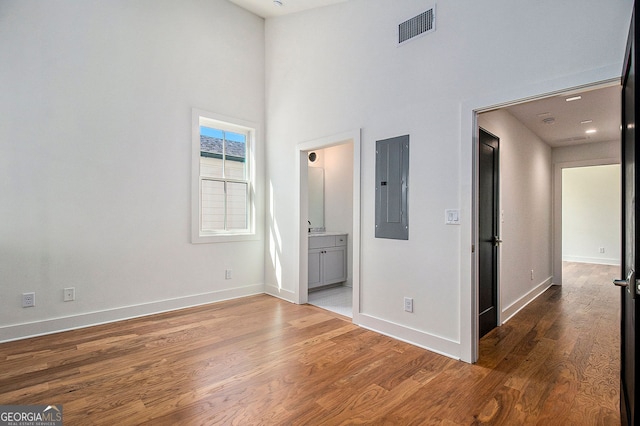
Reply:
x=223 y=238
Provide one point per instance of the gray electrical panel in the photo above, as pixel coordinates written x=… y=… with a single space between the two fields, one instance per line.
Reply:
x=392 y=188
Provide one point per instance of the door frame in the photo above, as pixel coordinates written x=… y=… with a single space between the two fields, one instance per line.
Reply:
x=469 y=182
x=302 y=239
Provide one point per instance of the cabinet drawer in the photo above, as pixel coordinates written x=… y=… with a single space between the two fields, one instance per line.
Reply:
x=322 y=241
x=341 y=240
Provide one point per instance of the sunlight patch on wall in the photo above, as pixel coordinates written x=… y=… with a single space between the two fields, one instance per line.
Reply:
x=275 y=240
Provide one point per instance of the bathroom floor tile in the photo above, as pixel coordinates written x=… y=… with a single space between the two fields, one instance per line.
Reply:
x=334 y=299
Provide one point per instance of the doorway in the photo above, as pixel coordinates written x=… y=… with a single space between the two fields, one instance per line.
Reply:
x=544 y=240
x=339 y=148
x=591 y=214
x=330 y=184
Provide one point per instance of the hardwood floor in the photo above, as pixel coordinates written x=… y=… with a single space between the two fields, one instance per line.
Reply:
x=260 y=360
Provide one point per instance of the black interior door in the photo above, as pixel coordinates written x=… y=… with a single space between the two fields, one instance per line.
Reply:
x=488 y=239
x=629 y=286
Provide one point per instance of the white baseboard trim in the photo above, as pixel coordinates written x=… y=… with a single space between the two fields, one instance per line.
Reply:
x=280 y=293
x=508 y=312
x=594 y=260
x=56 y=325
x=409 y=335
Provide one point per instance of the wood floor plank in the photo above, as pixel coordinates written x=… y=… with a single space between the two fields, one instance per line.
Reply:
x=262 y=361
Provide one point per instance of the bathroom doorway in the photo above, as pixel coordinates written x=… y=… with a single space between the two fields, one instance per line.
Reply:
x=330 y=214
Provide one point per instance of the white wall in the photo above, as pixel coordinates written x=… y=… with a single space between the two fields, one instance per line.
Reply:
x=525 y=203
x=591 y=214
x=338 y=68
x=95 y=148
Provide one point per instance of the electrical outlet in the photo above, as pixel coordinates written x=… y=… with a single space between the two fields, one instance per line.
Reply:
x=601 y=249
x=227 y=274
x=532 y=275
x=69 y=294
x=408 y=304
x=28 y=300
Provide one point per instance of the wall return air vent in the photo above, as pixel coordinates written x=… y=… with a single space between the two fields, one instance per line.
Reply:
x=417 y=26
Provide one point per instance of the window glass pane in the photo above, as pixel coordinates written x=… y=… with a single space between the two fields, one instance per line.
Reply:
x=234 y=169
x=211 y=150
x=210 y=167
x=236 y=205
x=212 y=199
x=236 y=154
x=211 y=132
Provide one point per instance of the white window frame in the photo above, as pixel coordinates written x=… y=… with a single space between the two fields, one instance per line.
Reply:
x=198 y=235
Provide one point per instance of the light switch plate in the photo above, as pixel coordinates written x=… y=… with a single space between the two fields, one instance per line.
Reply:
x=408 y=304
x=452 y=217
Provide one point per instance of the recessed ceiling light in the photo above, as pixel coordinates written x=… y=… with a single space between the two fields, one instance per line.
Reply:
x=590 y=131
x=586 y=121
x=277 y=2
x=549 y=120
x=573 y=98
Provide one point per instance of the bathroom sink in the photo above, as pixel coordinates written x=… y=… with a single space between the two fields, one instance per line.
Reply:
x=320 y=233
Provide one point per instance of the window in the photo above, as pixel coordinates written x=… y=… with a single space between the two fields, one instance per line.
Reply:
x=222 y=186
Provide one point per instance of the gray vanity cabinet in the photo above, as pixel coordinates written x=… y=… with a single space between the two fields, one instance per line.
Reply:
x=327 y=259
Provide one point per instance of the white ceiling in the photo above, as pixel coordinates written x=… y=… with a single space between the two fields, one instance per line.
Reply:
x=601 y=105
x=268 y=9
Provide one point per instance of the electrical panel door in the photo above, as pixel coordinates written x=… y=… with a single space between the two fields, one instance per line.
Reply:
x=392 y=187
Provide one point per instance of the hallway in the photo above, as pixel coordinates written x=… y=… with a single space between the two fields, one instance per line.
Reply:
x=559 y=357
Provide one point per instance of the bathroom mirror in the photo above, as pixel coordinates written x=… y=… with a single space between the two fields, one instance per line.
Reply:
x=316 y=197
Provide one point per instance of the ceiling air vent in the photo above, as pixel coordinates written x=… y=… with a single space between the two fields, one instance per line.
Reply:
x=418 y=25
